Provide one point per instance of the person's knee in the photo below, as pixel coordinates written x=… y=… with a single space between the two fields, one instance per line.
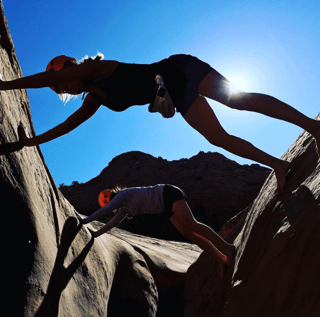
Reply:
x=179 y=225
x=192 y=226
x=187 y=233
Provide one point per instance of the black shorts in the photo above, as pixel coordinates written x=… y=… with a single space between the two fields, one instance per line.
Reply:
x=182 y=76
x=170 y=195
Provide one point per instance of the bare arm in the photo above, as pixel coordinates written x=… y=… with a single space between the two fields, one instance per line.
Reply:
x=92 y=70
x=107 y=211
x=50 y=79
x=88 y=108
x=45 y=79
x=120 y=216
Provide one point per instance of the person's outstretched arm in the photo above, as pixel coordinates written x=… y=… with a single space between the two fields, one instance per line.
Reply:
x=88 y=108
x=120 y=215
x=106 y=211
x=83 y=71
x=54 y=78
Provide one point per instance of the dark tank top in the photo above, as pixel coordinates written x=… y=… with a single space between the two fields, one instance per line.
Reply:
x=134 y=84
x=128 y=85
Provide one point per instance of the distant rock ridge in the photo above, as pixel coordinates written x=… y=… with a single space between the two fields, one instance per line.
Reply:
x=217 y=188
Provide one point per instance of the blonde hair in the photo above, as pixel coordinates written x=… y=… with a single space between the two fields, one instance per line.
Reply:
x=85 y=59
x=65 y=98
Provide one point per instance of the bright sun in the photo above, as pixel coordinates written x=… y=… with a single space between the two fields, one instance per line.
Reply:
x=238 y=82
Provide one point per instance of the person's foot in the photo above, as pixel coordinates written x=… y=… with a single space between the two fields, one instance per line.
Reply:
x=229 y=259
x=281 y=169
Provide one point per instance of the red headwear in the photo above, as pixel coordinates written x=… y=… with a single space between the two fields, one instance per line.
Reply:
x=58 y=63
x=104 y=197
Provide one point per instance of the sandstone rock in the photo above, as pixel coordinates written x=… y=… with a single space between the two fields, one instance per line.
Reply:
x=277 y=263
x=168 y=263
x=217 y=188
x=53 y=267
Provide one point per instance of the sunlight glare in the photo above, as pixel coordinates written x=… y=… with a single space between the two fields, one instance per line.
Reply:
x=238 y=83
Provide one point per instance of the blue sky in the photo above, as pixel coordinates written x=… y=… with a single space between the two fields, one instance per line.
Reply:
x=270 y=47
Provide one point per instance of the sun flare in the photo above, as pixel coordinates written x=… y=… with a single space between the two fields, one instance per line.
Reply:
x=238 y=83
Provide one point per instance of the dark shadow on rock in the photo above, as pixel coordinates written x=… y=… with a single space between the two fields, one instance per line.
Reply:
x=126 y=297
x=18 y=241
x=61 y=276
x=302 y=167
x=287 y=208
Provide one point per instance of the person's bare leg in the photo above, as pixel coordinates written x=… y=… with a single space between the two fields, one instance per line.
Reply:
x=202 y=235
x=181 y=207
x=184 y=221
x=199 y=240
x=217 y=87
x=202 y=118
x=224 y=247
x=206 y=245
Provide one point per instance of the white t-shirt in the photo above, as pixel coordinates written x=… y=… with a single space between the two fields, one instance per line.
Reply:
x=139 y=200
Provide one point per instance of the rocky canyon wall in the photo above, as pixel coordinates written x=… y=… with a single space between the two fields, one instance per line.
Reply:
x=52 y=266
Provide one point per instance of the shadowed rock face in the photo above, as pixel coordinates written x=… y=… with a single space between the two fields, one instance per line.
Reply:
x=277 y=262
x=53 y=266
x=217 y=188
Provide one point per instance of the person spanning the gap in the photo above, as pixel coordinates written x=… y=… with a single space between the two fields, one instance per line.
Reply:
x=171 y=201
x=188 y=81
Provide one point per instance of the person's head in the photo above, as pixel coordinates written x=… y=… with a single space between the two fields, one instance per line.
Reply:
x=67 y=90
x=107 y=195
x=59 y=63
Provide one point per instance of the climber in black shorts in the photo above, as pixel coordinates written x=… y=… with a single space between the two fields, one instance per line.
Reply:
x=170 y=200
x=188 y=81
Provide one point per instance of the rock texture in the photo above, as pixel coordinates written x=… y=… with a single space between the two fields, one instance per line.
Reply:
x=217 y=188
x=52 y=266
x=276 y=270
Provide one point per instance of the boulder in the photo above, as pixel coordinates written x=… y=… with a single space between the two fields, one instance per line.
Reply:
x=51 y=265
x=276 y=269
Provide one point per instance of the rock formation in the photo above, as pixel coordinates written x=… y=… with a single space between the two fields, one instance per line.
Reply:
x=276 y=269
x=53 y=267
x=217 y=188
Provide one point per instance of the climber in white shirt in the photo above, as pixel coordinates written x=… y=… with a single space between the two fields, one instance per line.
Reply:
x=166 y=199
